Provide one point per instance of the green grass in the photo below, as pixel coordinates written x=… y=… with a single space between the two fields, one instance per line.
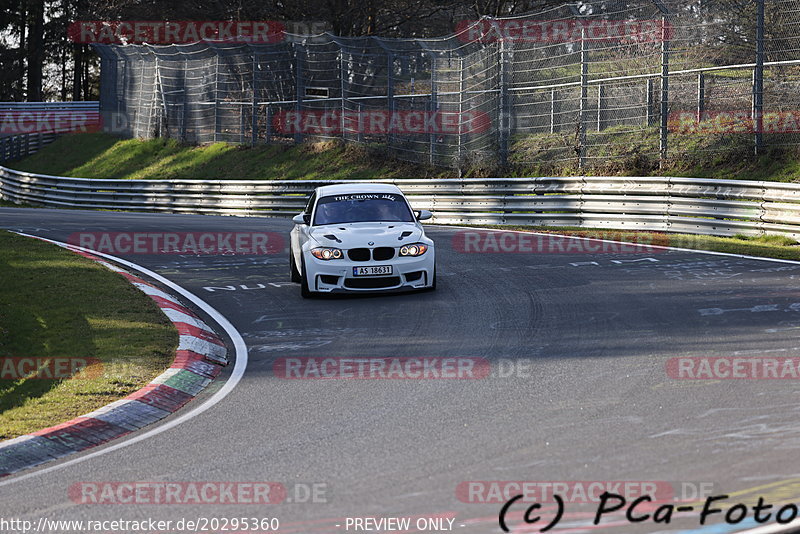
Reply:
x=617 y=151
x=767 y=246
x=625 y=151
x=54 y=303
x=104 y=156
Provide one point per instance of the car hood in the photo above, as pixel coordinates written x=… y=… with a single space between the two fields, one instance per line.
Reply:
x=355 y=235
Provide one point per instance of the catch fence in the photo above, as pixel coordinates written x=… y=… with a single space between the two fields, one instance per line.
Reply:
x=565 y=89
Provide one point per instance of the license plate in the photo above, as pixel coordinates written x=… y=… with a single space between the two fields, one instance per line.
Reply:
x=372 y=271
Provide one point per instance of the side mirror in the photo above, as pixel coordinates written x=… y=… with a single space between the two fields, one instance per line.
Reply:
x=301 y=218
x=424 y=215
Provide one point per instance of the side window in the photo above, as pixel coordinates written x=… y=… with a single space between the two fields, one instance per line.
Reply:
x=310 y=205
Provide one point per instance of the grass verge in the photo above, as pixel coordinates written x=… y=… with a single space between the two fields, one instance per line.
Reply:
x=767 y=246
x=95 y=155
x=616 y=151
x=621 y=151
x=56 y=304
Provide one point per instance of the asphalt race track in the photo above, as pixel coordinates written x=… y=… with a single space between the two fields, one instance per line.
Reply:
x=578 y=391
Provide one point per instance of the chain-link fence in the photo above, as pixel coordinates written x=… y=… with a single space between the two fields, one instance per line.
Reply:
x=572 y=87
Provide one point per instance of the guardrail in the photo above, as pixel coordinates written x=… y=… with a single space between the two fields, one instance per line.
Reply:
x=25 y=127
x=85 y=105
x=13 y=147
x=689 y=205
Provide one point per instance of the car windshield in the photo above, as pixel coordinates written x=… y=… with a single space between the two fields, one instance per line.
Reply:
x=362 y=207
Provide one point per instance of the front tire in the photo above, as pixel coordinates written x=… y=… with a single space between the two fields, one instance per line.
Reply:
x=304 y=291
x=293 y=268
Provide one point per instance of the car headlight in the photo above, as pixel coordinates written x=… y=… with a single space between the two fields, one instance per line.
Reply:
x=326 y=253
x=415 y=249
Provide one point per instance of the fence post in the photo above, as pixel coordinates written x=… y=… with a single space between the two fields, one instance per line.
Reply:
x=254 y=108
x=650 y=103
x=149 y=130
x=164 y=106
x=758 y=80
x=701 y=95
x=185 y=106
x=268 y=130
x=137 y=129
x=601 y=103
x=300 y=87
x=553 y=110
x=360 y=133
x=341 y=89
x=433 y=109
x=390 y=97
x=241 y=116
x=504 y=126
x=584 y=100
x=664 y=90
x=216 y=99
x=461 y=90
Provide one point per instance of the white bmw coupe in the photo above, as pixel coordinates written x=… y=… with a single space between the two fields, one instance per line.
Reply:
x=360 y=237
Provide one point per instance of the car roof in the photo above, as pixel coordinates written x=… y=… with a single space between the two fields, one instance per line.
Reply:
x=363 y=187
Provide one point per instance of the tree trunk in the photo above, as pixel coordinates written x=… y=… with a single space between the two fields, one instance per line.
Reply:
x=23 y=40
x=86 y=89
x=35 y=51
x=77 y=71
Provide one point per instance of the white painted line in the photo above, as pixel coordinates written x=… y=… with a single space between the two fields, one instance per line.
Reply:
x=240 y=349
x=661 y=247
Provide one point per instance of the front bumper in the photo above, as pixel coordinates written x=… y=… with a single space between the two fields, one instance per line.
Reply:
x=337 y=276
